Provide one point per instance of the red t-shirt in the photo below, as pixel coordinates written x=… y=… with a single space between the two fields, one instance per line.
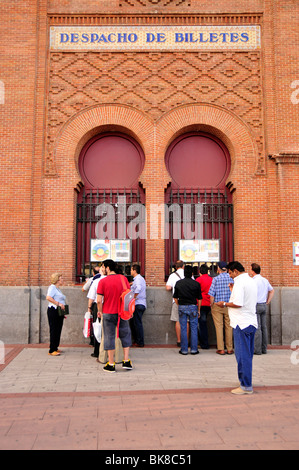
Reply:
x=205 y=282
x=111 y=287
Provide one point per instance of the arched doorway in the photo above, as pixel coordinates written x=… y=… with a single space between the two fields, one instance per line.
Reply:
x=199 y=204
x=109 y=203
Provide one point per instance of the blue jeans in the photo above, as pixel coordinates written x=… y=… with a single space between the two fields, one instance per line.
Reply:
x=244 y=348
x=191 y=312
x=138 y=326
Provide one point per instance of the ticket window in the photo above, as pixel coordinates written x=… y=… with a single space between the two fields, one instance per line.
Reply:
x=110 y=165
x=199 y=165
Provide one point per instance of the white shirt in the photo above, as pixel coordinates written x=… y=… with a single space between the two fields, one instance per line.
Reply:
x=92 y=293
x=173 y=278
x=263 y=288
x=244 y=294
x=87 y=284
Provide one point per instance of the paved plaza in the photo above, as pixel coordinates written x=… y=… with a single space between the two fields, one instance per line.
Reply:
x=167 y=402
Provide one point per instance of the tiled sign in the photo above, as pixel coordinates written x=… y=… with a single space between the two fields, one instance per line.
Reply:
x=154 y=38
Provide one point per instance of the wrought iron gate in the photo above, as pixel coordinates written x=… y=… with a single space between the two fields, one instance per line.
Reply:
x=117 y=202
x=217 y=221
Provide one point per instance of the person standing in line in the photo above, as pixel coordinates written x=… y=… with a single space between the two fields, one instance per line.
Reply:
x=56 y=299
x=220 y=291
x=205 y=282
x=170 y=285
x=241 y=309
x=92 y=306
x=139 y=289
x=187 y=295
x=265 y=294
x=88 y=282
x=87 y=286
x=108 y=294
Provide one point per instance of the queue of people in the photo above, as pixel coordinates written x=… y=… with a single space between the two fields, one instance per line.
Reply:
x=238 y=304
x=236 y=300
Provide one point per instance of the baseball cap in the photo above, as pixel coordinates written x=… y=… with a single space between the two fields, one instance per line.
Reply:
x=222 y=265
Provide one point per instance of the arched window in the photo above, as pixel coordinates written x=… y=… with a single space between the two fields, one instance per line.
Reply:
x=199 y=205
x=110 y=208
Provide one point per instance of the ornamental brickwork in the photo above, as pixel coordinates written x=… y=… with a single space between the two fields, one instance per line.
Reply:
x=52 y=102
x=155 y=83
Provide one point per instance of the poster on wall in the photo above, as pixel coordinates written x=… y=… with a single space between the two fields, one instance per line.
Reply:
x=195 y=251
x=296 y=253
x=121 y=250
x=99 y=250
x=118 y=250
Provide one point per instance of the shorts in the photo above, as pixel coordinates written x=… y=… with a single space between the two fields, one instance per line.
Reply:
x=174 y=316
x=110 y=324
x=174 y=312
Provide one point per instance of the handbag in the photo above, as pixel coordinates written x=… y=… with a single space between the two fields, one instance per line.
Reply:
x=87 y=325
x=97 y=330
x=61 y=312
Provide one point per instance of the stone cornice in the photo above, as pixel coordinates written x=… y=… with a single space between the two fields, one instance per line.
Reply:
x=286 y=157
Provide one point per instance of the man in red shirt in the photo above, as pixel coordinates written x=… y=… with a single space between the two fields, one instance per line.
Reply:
x=108 y=293
x=205 y=282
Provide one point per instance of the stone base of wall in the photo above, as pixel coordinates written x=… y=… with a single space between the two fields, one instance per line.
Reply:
x=23 y=316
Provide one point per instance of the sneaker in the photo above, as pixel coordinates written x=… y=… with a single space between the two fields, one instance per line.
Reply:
x=241 y=391
x=54 y=353
x=109 y=368
x=127 y=365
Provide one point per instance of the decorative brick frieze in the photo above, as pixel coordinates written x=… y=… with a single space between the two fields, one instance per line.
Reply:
x=154 y=83
x=157 y=19
x=154 y=3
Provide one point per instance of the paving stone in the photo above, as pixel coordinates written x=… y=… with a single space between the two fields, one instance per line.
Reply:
x=67 y=405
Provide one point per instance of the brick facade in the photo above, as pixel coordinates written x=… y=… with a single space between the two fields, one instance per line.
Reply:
x=56 y=101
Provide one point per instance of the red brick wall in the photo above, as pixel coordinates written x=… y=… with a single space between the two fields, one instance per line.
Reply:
x=20 y=141
x=281 y=127
x=39 y=150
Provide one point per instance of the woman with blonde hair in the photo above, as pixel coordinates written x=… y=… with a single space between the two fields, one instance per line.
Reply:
x=56 y=299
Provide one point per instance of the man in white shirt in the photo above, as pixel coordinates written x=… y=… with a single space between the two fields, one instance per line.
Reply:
x=265 y=294
x=92 y=306
x=170 y=285
x=241 y=310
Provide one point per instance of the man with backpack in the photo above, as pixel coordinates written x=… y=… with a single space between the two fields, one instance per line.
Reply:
x=108 y=296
